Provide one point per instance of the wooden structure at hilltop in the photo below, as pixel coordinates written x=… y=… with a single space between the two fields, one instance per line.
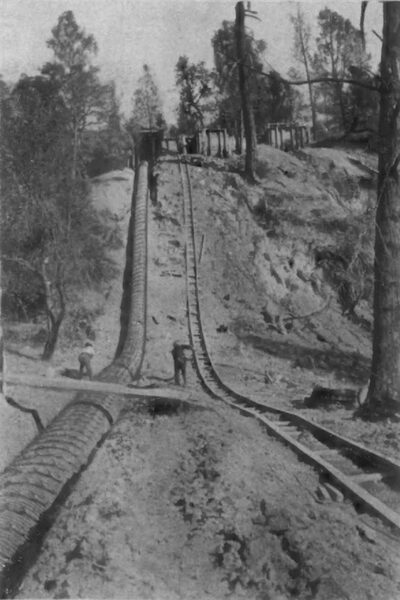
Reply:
x=203 y=142
x=286 y=136
x=206 y=141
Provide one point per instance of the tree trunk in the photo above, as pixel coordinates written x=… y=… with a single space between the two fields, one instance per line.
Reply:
x=53 y=322
x=248 y=117
x=307 y=68
x=52 y=337
x=238 y=133
x=384 y=389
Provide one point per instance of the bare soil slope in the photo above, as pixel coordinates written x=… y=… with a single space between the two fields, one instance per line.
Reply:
x=202 y=503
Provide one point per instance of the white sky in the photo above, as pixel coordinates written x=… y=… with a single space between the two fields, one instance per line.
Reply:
x=130 y=33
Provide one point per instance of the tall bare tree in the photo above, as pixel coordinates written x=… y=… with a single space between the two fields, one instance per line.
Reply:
x=302 y=53
x=384 y=389
x=247 y=109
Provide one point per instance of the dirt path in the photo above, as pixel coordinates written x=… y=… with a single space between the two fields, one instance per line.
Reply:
x=202 y=503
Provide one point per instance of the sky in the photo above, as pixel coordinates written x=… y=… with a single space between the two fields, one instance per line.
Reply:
x=130 y=33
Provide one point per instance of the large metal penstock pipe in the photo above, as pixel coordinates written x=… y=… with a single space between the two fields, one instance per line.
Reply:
x=30 y=485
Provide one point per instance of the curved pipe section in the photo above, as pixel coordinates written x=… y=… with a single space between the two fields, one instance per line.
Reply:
x=30 y=485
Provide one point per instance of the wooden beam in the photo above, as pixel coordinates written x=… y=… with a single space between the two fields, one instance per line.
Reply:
x=365 y=477
x=63 y=384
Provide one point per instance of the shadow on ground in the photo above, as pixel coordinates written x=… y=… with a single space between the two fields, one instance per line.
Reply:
x=350 y=365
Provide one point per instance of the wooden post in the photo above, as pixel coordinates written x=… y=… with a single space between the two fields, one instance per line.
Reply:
x=291 y=137
x=281 y=137
x=208 y=142
x=219 y=151
x=276 y=136
x=201 y=247
x=225 y=152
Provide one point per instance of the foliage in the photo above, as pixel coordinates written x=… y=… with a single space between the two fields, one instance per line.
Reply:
x=271 y=98
x=85 y=98
x=36 y=173
x=274 y=101
x=195 y=83
x=349 y=265
x=227 y=82
x=52 y=237
x=105 y=148
x=340 y=54
x=362 y=105
x=147 y=109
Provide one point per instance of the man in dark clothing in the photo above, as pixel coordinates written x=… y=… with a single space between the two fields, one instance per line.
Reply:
x=178 y=354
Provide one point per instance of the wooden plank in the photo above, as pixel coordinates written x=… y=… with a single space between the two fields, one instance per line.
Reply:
x=384 y=462
x=328 y=452
x=365 y=477
x=101 y=387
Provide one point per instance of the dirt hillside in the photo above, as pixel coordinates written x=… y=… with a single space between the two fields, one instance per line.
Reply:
x=201 y=503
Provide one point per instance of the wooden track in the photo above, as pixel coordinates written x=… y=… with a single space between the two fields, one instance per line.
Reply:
x=364 y=465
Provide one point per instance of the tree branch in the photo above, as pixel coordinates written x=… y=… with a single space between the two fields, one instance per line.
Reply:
x=362 y=19
x=377 y=35
x=311 y=314
x=23 y=263
x=367 y=86
x=32 y=411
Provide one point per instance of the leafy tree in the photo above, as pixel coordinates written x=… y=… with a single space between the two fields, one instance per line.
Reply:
x=339 y=47
x=147 y=109
x=272 y=99
x=104 y=148
x=85 y=97
x=227 y=80
x=52 y=238
x=195 y=84
x=362 y=104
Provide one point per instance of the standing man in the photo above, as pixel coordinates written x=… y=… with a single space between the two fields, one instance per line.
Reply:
x=178 y=355
x=85 y=358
